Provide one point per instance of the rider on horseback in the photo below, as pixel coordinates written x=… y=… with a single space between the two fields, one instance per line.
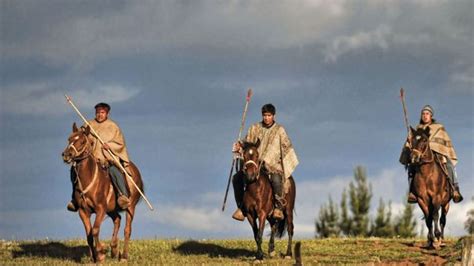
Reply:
x=440 y=143
x=111 y=134
x=277 y=157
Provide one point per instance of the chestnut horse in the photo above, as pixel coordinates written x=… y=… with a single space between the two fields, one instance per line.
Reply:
x=258 y=202
x=430 y=184
x=94 y=193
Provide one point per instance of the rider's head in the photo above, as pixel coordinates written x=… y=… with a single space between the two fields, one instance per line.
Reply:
x=268 y=114
x=101 y=112
x=427 y=115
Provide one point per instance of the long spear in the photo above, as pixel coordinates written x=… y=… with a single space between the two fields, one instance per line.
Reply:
x=69 y=100
x=242 y=124
x=402 y=97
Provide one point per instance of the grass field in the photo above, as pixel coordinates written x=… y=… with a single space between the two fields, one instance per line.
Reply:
x=218 y=252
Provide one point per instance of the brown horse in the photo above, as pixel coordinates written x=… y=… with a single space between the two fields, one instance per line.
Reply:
x=430 y=184
x=258 y=202
x=94 y=193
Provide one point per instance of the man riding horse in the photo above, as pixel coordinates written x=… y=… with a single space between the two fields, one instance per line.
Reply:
x=111 y=134
x=441 y=144
x=277 y=158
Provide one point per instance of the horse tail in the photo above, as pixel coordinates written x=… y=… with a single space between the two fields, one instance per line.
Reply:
x=282 y=225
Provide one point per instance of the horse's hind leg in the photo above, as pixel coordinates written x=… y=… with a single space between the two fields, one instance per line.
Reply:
x=86 y=220
x=271 y=244
x=99 y=248
x=127 y=232
x=114 y=244
x=290 y=227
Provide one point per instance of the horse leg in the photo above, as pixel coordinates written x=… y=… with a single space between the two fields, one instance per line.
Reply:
x=86 y=220
x=437 y=232
x=114 y=244
x=261 y=227
x=99 y=248
x=428 y=220
x=127 y=232
x=444 y=212
x=290 y=227
x=271 y=244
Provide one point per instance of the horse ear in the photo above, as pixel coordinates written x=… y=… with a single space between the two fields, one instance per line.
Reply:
x=427 y=131
x=257 y=143
x=74 y=127
x=87 y=130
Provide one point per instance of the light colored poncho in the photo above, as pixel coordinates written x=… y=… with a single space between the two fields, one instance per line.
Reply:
x=275 y=148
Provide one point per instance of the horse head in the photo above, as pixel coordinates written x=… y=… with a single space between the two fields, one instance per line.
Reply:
x=78 y=146
x=251 y=167
x=420 y=144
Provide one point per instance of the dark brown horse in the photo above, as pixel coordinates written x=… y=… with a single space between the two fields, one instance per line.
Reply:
x=94 y=193
x=258 y=202
x=430 y=185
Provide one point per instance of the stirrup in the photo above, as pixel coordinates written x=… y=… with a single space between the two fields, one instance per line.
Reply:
x=457 y=197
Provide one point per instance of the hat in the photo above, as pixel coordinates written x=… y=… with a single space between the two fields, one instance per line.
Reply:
x=102 y=106
x=428 y=108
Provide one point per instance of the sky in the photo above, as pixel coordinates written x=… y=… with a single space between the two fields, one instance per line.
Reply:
x=176 y=74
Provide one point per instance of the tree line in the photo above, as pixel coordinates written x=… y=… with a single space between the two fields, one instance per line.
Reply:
x=351 y=216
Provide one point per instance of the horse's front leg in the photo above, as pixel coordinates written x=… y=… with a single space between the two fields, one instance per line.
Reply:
x=86 y=220
x=261 y=227
x=99 y=248
x=444 y=212
x=437 y=231
x=290 y=228
x=428 y=220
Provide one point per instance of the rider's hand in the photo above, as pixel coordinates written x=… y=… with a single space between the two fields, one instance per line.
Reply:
x=236 y=147
x=105 y=146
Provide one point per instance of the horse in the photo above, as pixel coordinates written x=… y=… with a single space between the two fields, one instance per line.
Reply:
x=430 y=185
x=94 y=193
x=258 y=202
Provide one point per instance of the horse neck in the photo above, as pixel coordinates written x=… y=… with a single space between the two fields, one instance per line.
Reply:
x=260 y=184
x=432 y=171
x=86 y=169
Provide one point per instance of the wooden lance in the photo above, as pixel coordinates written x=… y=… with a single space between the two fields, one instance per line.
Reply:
x=242 y=124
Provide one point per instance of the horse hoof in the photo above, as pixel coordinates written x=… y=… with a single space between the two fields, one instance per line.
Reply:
x=258 y=261
x=288 y=257
x=272 y=254
x=100 y=258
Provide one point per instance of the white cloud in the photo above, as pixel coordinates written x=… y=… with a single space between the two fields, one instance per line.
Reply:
x=377 y=38
x=48 y=99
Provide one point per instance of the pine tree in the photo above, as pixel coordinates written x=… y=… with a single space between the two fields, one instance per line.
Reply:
x=360 y=196
x=345 y=223
x=327 y=223
x=406 y=223
x=469 y=224
x=382 y=225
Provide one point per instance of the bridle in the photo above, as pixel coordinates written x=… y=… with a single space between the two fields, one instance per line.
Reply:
x=422 y=154
x=85 y=152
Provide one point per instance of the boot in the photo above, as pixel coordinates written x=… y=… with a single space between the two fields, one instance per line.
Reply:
x=238 y=184
x=277 y=186
x=457 y=197
x=72 y=206
x=123 y=202
x=238 y=215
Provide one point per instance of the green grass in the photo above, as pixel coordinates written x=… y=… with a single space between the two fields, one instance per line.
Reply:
x=218 y=252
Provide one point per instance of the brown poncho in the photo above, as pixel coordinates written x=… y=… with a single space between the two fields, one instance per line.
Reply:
x=275 y=148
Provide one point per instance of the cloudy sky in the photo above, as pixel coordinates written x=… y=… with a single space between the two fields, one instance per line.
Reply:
x=176 y=74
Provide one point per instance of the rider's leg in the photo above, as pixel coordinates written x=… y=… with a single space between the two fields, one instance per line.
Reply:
x=411 y=175
x=277 y=186
x=118 y=179
x=453 y=177
x=238 y=184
